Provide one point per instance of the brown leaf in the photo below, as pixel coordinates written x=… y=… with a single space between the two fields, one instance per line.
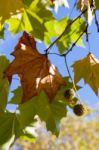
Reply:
x=88 y=69
x=84 y=3
x=90 y=5
x=34 y=69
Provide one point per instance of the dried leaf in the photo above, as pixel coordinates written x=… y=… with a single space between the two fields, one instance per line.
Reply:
x=34 y=69
x=90 y=5
x=84 y=3
x=88 y=69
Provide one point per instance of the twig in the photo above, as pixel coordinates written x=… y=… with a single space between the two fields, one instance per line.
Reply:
x=87 y=37
x=75 y=42
x=65 y=54
x=55 y=54
x=74 y=86
x=67 y=68
x=66 y=28
x=96 y=22
x=75 y=3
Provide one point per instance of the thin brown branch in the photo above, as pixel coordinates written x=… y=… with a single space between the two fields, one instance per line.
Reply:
x=75 y=42
x=96 y=22
x=75 y=3
x=67 y=68
x=55 y=54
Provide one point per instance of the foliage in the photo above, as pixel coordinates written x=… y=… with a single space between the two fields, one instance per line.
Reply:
x=45 y=77
x=42 y=87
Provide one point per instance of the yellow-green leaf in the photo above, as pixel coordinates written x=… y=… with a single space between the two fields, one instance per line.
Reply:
x=8 y=7
x=87 y=69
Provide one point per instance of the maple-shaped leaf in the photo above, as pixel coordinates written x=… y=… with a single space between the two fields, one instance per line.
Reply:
x=88 y=69
x=55 y=28
x=34 y=69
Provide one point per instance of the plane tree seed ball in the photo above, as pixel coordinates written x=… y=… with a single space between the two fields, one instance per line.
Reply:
x=79 y=110
x=69 y=94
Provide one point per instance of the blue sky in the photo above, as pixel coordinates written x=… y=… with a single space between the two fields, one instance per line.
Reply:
x=86 y=94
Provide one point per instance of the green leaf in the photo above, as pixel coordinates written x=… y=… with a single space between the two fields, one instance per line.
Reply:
x=32 y=20
x=6 y=145
x=17 y=25
x=29 y=22
x=4 y=91
x=7 y=7
x=1 y=32
x=4 y=62
x=39 y=105
x=56 y=28
x=27 y=2
x=17 y=97
x=4 y=85
x=28 y=139
x=9 y=128
x=41 y=10
x=97 y=4
x=58 y=111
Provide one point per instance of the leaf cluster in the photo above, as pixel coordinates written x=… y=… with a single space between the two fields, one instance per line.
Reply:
x=41 y=90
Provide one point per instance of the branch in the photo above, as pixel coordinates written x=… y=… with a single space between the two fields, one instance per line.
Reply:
x=75 y=3
x=75 y=43
x=65 y=54
x=96 y=22
x=68 y=68
x=66 y=28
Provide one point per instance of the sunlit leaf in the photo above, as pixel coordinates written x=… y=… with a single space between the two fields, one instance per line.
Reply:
x=4 y=85
x=88 y=70
x=7 y=7
x=39 y=105
x=56 y=28
x=38 y=74
x=32 y=19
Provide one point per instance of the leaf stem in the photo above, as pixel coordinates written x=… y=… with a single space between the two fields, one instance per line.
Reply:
x=65 y=56
x=74 y=86
x=68 y=68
